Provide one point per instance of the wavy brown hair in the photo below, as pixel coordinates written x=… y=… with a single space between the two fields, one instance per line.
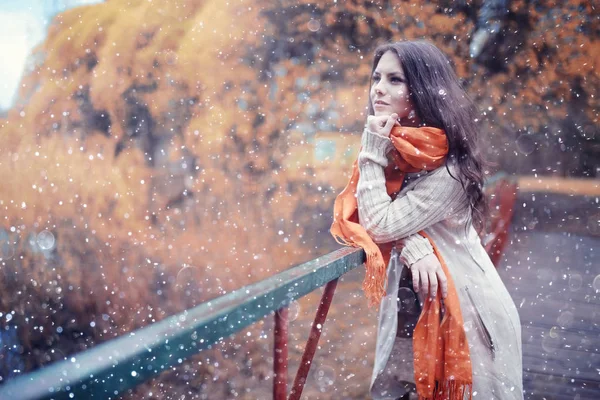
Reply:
x=441 y=102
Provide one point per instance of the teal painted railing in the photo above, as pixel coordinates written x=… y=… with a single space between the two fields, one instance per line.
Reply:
x=122 y=363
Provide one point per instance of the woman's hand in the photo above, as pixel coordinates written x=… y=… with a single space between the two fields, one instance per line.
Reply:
x=383 y=124
x=426 y=274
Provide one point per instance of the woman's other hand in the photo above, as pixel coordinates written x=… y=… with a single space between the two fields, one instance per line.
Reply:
x=427 y=274
x=383 y=124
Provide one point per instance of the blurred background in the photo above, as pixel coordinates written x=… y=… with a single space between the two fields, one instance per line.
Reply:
x=160 y=153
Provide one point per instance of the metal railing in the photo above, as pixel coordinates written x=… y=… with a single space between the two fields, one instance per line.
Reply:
x=122 y=363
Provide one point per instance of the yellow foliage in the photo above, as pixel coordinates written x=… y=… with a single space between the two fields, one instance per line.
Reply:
x=47 y=180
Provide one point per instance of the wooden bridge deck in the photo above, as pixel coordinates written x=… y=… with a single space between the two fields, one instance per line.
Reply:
x=551 y=267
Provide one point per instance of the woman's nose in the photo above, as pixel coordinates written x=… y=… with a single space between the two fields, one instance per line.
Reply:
x=378 y=88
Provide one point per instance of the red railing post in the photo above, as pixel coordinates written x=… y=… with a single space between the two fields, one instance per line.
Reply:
x=313 y=340
x=280 y=354
x=503 y=198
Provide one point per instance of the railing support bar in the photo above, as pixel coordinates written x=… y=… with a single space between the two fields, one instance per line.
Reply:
x=313 y=340
x=280 y=354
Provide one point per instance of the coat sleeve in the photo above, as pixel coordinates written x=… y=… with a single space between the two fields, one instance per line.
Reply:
x=435 y=197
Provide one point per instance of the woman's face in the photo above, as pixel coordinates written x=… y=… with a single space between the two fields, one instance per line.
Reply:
x=389 y=89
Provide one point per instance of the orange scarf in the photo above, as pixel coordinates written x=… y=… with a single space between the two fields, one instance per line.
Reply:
x=441 y=352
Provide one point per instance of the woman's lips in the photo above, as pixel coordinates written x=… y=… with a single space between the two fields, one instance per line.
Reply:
x=381 y=102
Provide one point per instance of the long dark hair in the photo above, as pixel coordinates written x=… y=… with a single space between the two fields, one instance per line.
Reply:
x=441 y=102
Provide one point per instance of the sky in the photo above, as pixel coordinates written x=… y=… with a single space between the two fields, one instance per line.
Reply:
x=23 y=24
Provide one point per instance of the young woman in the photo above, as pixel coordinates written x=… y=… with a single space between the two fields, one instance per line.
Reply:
x=417 y=186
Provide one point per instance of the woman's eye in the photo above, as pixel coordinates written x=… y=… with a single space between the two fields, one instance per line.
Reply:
x=393 y=79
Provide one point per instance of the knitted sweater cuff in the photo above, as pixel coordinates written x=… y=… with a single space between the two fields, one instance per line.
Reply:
x=415 y=248
x=374 y=148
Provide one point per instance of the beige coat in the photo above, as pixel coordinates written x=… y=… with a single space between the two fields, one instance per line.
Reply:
x=436 y=202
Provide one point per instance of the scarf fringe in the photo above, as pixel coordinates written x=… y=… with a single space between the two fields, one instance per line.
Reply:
x=451 y=390
x=375 y=278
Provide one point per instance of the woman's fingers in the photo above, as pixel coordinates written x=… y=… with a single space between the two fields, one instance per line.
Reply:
x=424 y=283
x=428 y=276
x=382 y=124
x=415 y=279
x=376 y=123
x=433 y=285
x=443 y=281
x=389 y=124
